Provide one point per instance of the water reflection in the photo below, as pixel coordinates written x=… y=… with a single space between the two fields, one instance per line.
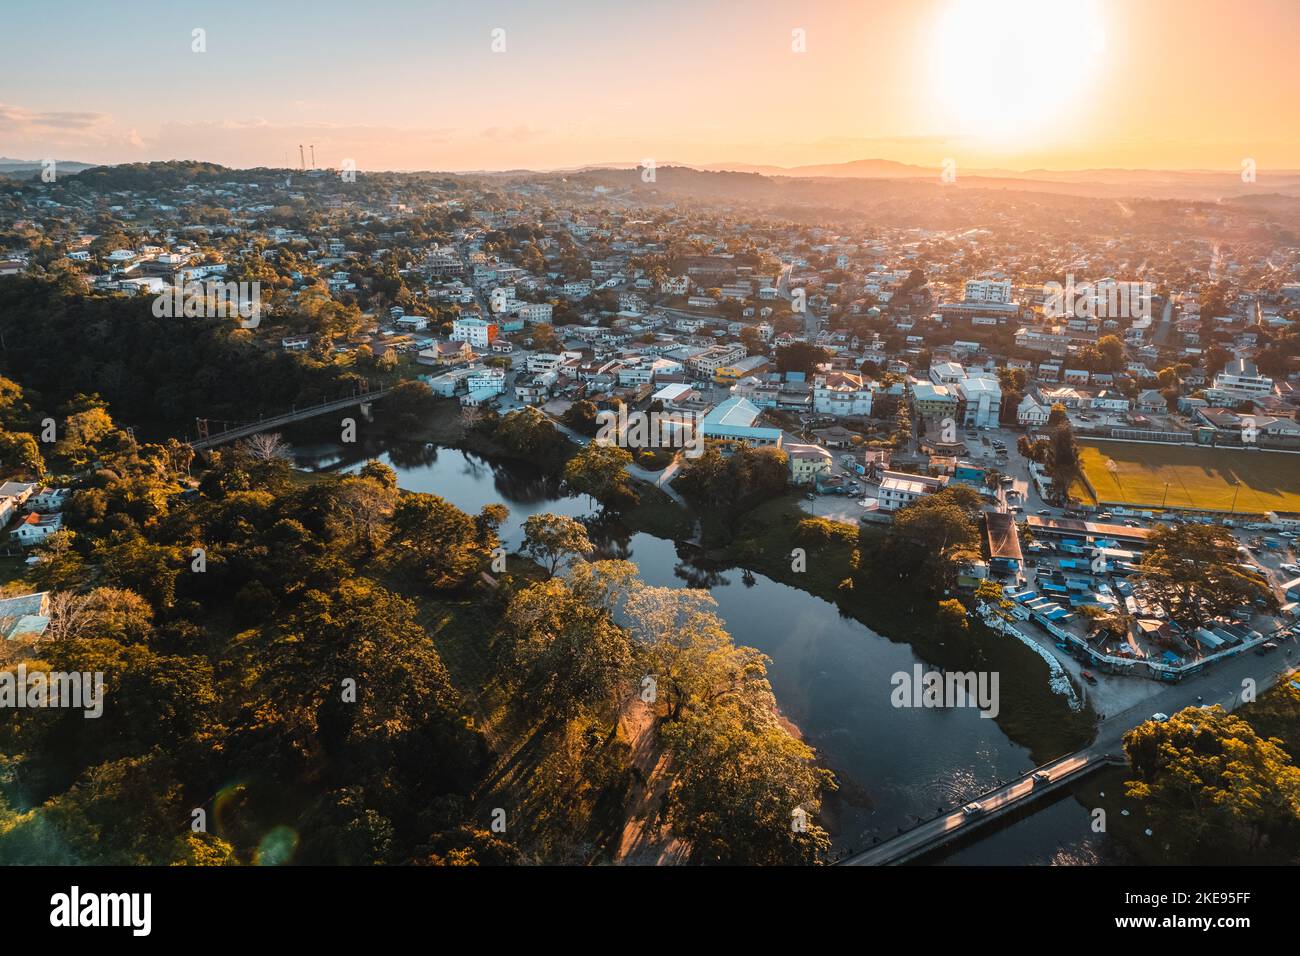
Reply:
x=831 y=675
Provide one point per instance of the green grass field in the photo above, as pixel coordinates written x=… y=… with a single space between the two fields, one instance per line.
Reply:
x=1198 y=478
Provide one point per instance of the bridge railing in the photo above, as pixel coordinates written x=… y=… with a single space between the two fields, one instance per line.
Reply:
x=284 y=418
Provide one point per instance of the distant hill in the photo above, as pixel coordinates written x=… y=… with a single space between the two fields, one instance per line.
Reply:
x=1112 y=183
x=27 y=168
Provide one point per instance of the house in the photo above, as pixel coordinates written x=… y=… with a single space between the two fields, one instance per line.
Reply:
x=35 y=528
x=19 y=491
x=49 y=499
x=1152 y=402
x=24 y=617
x=675 y=394
x=807 y=463
x=1109 y=400
x=413 y=323
x=1031 y=412
x=446 y=353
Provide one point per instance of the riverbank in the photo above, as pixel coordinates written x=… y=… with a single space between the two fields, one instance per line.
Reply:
x=1031 y=714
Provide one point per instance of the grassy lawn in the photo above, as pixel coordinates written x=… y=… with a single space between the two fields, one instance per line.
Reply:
x=1199 y=478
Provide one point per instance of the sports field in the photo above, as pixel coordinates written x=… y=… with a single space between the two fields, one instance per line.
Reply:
x=1197 y=478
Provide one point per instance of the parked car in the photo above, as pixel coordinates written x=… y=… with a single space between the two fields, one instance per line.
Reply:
x=1159 y=718
x=1268 y=647
x=1045 y=511
x=1087 y=675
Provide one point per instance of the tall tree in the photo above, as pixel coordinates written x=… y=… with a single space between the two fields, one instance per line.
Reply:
x=1193 y=570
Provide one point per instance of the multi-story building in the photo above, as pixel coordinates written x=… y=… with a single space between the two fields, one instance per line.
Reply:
x=842 y=393
x=539 y=362
x=535 y=312
x=996 y=290
x=933 y=401
x=487 y=378
x=477 y=332
x=981 y=400
x=807 y=462
x=1240 y=381
x=899 y=489
x=708 y=362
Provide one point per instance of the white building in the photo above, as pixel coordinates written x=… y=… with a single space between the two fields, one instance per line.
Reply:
x=35 y=528
x=842 y=393
x=899 y=489
x=1240 y=381
x=535 y=312
x=1031 y=412
x=477 y=332
x=487 y=378
x=981 y=396
x=992 y=290
x=539 y=362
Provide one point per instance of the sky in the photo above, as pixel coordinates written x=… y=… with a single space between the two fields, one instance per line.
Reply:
x=490 y=84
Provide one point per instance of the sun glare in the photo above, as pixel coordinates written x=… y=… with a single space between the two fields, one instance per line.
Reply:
x=1006 y=69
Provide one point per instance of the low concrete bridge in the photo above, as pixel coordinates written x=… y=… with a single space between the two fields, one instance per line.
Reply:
x=1007 y=798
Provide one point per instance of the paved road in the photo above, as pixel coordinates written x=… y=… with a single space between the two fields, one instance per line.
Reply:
x=660 y=479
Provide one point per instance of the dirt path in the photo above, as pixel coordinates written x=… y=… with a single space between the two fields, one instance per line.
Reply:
x=644 y=841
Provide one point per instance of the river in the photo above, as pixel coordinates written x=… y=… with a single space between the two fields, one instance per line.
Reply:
x=830 y=673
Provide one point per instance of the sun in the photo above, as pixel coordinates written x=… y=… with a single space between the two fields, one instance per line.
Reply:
x=1007 y=69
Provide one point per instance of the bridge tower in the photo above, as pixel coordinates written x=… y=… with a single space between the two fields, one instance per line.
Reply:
x=202 y=425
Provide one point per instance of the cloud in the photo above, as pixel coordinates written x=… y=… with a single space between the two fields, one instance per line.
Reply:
x=17 y=121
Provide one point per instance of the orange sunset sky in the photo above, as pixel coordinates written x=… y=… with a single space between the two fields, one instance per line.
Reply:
x=416 y=85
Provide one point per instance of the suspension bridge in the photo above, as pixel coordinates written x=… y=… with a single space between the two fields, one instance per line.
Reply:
x=233 y=431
